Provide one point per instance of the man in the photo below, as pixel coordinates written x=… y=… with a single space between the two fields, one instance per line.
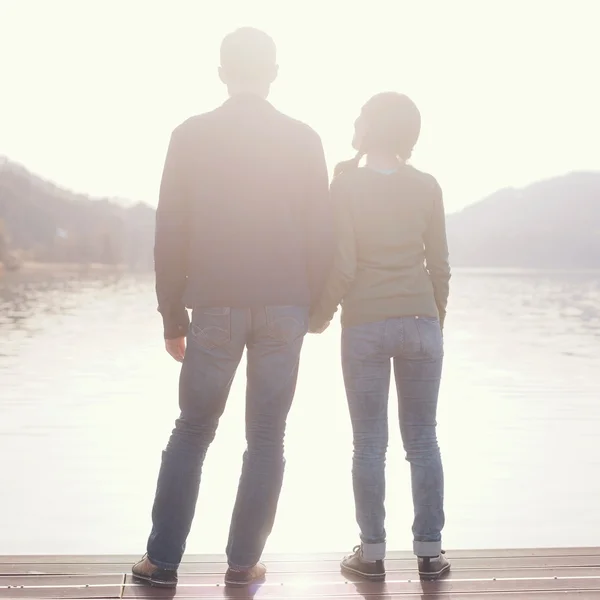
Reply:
x=245 y=238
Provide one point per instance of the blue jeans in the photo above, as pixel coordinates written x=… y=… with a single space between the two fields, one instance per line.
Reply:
x=416 y=346
x=216 y=340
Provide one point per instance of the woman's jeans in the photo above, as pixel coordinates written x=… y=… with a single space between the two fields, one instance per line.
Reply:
x=416 y=346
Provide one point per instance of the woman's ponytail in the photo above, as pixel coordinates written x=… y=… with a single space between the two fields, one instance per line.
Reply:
x=348 y=165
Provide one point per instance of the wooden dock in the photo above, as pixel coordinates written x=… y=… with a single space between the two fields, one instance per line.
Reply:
x=539 y=574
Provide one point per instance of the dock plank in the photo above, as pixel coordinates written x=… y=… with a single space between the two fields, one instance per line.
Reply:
x=61 y=580
x=409 y=575
x=308 y=565
x=393 y=589
x=80 y=587
x=539 y=574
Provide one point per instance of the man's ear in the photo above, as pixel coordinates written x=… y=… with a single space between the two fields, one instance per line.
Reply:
x=274 y=73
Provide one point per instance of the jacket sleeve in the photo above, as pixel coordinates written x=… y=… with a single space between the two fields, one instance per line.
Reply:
x=171 y=241
x=319 y=223
x=436 y=253
x=345 y=261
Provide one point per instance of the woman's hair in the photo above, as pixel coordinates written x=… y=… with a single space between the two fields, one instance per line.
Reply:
x=393 y=125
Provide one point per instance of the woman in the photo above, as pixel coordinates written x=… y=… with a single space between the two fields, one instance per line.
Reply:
x=391 y=277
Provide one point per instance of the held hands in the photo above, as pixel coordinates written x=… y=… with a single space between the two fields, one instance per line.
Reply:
x=176 y=348
x=315 y=326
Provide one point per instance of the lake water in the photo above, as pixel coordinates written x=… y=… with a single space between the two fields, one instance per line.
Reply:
x=88 y=398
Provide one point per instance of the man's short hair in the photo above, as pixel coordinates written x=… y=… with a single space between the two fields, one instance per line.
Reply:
x=248 y=53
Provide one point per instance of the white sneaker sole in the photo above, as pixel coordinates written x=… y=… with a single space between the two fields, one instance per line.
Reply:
x=369 y=576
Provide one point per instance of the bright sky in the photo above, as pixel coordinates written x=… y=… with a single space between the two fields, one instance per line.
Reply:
x=508 y=89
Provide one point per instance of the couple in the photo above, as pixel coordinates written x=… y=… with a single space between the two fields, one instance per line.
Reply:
x=251 y=238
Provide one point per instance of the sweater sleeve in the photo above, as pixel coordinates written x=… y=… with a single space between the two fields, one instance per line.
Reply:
x=436 y=253
x=171 y=241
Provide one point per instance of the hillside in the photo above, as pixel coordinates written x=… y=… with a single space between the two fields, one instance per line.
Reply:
x=551 y=224
x=42 y=222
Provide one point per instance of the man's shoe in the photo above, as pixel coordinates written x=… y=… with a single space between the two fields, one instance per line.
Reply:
x=149 y=573
x=246 y=577
x=432 y=568
x=355 y=564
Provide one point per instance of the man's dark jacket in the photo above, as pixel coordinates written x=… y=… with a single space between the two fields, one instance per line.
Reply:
x=244 y=218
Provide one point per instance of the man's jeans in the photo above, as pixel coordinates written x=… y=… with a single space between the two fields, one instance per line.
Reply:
x=217 y=337
x=415 y=344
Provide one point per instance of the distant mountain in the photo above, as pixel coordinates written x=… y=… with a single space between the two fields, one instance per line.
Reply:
x=551 y=224
x=42 y=222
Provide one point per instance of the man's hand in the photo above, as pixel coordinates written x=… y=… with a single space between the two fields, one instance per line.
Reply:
x=176 y=348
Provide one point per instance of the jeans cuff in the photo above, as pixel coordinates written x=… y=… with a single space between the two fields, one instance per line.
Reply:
x=427 y=549
x=163 y=565
x=373 y=552
x=239 y=568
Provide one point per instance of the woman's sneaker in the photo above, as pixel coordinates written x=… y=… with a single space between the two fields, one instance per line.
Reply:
x=355 y=564
x=432 y=568
x=246 y=577
x=148 y=572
